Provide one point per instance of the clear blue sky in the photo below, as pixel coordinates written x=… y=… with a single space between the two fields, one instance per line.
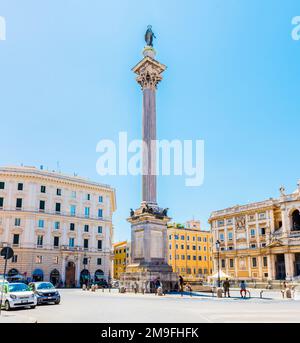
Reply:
x=232 y=80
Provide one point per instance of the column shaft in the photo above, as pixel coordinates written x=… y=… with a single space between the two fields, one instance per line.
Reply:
x=149 y=150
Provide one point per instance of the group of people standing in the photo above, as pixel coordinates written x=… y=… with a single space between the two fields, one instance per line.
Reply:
x=182 y=285
x=226 y=288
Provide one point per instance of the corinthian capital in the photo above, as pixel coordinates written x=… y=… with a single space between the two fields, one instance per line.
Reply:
x=149 y=73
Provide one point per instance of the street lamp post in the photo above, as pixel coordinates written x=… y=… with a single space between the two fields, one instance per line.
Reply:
x=218 y=257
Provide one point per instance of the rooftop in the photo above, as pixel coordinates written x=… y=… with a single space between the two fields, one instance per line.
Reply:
x=40 y=172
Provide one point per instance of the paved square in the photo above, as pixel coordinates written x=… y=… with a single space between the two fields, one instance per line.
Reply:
x=78 y=306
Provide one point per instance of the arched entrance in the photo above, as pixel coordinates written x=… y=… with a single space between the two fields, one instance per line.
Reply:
x=13 y=275
x=12 y=272
x=99 y=275
x=85 y=277
x=70 y=275
x=296 y=220
x=54 y=277
x=37 y=275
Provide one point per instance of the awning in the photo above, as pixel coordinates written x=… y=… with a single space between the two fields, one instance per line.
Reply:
x=221 y=274
x=38 y=272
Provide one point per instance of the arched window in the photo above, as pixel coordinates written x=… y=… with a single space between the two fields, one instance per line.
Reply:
x=296 y=221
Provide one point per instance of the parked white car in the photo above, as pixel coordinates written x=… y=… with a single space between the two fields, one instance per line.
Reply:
x=17 y=295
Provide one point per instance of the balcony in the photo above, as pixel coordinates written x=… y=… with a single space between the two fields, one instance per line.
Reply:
x=61 y=213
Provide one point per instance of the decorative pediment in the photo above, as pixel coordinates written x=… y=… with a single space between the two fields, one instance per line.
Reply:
x=275 y=243
x=56 y=233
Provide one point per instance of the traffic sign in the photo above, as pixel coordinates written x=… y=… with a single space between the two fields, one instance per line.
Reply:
x=7 y=253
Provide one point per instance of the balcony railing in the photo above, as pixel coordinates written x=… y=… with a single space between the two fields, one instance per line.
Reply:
x=61 y=213
x=69 y=248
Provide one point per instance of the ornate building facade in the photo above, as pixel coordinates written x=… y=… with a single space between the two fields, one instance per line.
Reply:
x=59 y=226
x=259 y=241
x=190 y=250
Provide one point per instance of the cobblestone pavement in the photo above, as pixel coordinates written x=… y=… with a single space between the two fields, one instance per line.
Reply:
x=104 y=307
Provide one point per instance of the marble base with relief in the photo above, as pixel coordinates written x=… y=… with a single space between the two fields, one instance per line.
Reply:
x=149 y=250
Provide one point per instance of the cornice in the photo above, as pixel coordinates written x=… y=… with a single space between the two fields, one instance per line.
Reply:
x=34 y=173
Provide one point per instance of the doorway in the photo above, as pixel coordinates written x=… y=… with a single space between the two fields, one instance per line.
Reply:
x=85 y=277
x=54 y=277
x=70 y=275
x=297 y=264
x=280 y=267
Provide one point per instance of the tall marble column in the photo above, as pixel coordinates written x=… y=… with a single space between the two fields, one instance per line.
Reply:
x=149 y=138
x=148 y=76
x=149 y=249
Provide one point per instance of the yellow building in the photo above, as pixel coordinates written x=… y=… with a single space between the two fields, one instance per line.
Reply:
x=259 y=241
x=121 y=258
x=190 y=250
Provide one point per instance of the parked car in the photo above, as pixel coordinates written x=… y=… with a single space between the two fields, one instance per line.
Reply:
x=18 y=295
x=45 y=292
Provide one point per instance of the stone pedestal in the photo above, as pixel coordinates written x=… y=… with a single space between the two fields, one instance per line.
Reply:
x=149 y=251
x=145 y=280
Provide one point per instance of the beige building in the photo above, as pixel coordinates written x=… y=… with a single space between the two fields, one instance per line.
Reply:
x=59 y=226
x=259 y=241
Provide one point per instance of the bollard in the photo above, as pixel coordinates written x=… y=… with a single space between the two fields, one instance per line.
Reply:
x=159 y=291
x=219 y=292
x=260 y=294
x=288 y=293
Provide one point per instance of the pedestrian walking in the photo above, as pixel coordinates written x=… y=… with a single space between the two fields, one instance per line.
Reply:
x=243 y=289
x=157 y=285
x=226 y=286
x=180 y=281
x=136 y=287
x=283 y=288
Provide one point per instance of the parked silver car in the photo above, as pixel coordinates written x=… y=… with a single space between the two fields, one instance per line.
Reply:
x=17 y=295
x=45 y=292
